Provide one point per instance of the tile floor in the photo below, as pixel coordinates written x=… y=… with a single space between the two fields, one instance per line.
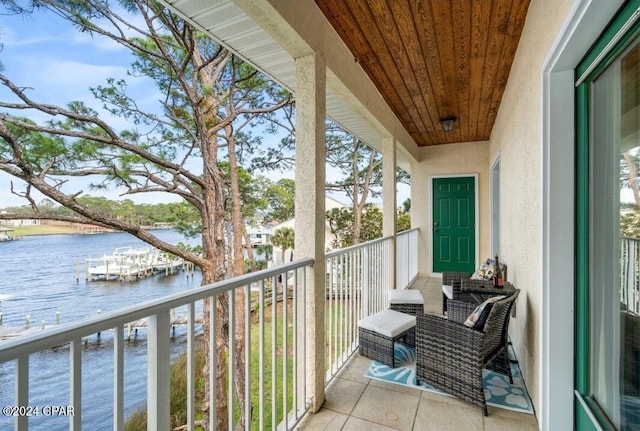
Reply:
x=354 y=402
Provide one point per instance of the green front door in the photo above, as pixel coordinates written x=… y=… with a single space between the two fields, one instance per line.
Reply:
x=454 y=227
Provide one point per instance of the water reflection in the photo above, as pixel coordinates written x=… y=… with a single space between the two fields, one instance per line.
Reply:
x=38 y=278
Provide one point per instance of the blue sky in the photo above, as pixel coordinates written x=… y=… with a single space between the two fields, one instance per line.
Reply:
x=46 y=53
x=60 y=64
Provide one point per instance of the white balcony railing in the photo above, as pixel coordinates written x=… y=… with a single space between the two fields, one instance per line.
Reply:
x=630 y=274
x=406 y=258
x=357 y=281
x=280 y=331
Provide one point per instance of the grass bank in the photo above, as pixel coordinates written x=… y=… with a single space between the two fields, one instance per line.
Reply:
x=44 y=230
x=272 y=372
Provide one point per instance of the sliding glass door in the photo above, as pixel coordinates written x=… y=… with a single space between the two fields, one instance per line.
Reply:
x=608 y=237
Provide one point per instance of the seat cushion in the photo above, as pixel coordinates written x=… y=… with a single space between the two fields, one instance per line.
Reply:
x=406 y=296
x=389 y=323
x=479 y=325
x=448 y=291
x=478 y=317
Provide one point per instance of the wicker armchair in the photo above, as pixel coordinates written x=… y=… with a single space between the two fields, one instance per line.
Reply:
x=451 y=356
x=454 y=279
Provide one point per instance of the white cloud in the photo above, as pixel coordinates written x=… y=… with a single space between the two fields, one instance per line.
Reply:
x=24 y=32
x=74 y=74
x=97 y=42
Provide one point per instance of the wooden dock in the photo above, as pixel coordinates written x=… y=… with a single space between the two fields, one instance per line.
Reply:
x=129 y=264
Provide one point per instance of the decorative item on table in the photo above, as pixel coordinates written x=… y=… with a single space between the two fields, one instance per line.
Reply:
x=485 y=271
x=498 y=276
x=488 y=270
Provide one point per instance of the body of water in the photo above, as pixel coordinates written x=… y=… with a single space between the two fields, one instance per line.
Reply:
x=38 y=278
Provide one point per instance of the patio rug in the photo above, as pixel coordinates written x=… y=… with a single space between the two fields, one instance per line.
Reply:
x=497 y=390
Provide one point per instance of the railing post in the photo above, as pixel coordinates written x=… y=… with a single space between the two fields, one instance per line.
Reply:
x=118 y=378
x=22 y=391
x=413 y=258
x=75 y=385
x=631 y=273
x=634 y=297
x=191 y=359
x=366 y=294
x=158 y=370
x=299 y=341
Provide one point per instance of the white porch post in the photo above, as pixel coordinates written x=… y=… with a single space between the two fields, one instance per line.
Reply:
x=310 y=211
x=420 y=216
x=389 y=203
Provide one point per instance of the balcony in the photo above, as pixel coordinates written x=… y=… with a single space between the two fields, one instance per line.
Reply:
x=355 y=402
x=276 y=328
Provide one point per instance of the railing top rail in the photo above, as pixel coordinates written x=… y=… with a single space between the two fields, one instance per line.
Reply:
x=354 y=247
x=404 y=232
x=60 y=335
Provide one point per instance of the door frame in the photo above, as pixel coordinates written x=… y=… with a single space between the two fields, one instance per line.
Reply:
x=494 y=210
x=430 y=217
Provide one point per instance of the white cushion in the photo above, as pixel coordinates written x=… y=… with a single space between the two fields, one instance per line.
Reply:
x=389 y=323
x=448 y=291
x=408 y=296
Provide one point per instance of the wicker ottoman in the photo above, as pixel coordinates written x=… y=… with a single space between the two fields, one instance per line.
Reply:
x=379 y=332
x=408 y=301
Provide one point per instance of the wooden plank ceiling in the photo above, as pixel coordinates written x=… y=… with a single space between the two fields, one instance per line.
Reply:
x=433 y=59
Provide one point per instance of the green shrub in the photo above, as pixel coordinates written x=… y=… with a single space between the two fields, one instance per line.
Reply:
x=138 y=419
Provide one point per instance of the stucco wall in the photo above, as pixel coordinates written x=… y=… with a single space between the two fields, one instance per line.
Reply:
x=448 y=160
x=516 y=137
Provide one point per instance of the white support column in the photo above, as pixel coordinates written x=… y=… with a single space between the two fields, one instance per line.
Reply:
x=158 y=371
x=310 y=210
x=421 y=215
x=389 y=204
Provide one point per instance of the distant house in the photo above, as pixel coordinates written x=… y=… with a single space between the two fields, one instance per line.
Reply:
x=259 y=236
x=330 y=204
x=20 y=222
x=17 y=222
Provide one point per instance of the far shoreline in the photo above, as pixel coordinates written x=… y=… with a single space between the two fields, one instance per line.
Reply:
x=38 y=230
x=47 y=229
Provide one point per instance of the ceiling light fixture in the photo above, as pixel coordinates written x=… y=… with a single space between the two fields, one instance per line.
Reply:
x=447 y=123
